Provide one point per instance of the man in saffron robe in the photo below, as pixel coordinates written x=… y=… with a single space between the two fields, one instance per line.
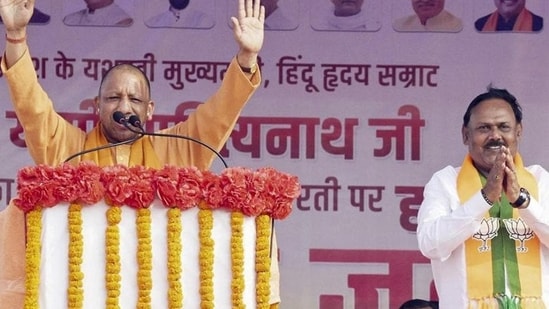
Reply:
x=485 y=224
x=511 y=15
x=51 y=139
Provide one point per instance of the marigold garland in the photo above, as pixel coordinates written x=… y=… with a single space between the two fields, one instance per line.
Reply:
x=175 y=290
x=75 y=291
x=206 y=257
x=112 y=257
x=33 y=256
x=144 y=258
x=263 y=261
x=265 y=194
x=237 y=260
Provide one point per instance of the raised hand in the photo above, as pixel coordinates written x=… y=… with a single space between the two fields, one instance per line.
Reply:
x=16 y=15
x=248 y=30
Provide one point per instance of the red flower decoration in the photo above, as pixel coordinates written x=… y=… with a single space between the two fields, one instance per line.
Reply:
x=179 y=187
x=142 y=186
x=282 y=189
x=62 y=183
x=212 y=190
x=264 y=191
x=167 y=180
x=88 y=179
x=189 y=192
x=115 y=179
x=241 y=190
x=36 y=188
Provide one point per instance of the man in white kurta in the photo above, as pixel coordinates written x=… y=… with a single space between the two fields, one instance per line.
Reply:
x=481 y=222
x=444 y=223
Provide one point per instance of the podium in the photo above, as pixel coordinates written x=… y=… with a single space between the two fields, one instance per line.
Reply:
x=135 y=237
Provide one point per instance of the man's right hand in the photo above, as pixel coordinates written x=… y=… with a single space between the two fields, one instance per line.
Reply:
x=16 y=15
x=495 y=180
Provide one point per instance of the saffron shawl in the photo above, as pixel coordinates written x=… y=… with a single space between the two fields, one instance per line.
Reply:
x=141 y=151
x=524 y=22
x=502 y=270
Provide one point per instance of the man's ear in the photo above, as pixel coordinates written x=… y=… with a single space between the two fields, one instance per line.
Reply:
x=465 y=135
x=96 y=104
x=519 y=131
x=150 y=110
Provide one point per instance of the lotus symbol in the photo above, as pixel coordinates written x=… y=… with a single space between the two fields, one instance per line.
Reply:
x=488 y=230
x=518 y=230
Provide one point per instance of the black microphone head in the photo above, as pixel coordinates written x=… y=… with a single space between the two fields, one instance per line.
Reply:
x=134 y=121
x=119 y=117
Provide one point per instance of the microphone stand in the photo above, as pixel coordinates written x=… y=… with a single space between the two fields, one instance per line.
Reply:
x=104 y=147
x=133 y=122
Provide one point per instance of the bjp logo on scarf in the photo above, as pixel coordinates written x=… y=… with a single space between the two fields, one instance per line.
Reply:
x=519 y=231
x=488 y=230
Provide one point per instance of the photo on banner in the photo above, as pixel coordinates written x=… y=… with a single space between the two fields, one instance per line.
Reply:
x=427 y=16
x=517 y=16
x=339 y=15
x=103 y=13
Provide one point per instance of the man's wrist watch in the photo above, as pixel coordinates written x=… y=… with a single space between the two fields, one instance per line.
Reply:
x=524 y=196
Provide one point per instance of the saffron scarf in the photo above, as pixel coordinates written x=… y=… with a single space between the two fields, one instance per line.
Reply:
x=141 y=151
x=524 y=22
x=501 y=273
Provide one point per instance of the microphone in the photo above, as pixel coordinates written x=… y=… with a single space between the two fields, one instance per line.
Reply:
x=134 y=121
x=133 y=124
x=120 y=118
